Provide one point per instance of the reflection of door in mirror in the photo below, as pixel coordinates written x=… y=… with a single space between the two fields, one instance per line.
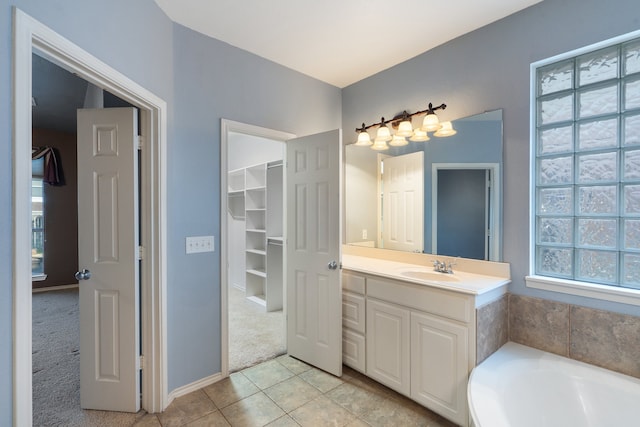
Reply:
x=465 y=210
x=402 y=202
x=463 y=207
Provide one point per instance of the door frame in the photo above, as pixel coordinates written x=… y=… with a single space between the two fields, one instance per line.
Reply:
x=30 y=35
x=494 y=199
x=227 y=126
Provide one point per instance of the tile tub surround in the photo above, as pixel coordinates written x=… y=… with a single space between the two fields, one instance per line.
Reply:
x=492 y=325
x=539 y=323
x=606 y=339
x=609 y=340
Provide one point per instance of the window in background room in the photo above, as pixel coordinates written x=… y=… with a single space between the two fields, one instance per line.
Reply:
x=586 y=165
x=37 y=220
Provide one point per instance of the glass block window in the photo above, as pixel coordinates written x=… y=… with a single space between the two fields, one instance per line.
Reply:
x=586 y=148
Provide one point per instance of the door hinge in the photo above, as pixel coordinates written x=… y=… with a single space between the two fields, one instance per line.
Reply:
x=140 y=252
x=140 y=142
x=141 y=363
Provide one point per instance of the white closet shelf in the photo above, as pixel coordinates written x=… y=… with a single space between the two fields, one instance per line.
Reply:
x=254 y=230
x=259 y=299
x=256 y=272
x=257 y=251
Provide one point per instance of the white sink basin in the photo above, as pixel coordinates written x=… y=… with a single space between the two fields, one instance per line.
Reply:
x=429 y=275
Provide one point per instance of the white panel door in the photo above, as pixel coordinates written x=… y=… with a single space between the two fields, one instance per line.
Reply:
x=107 y=247
x=403 y=202
x=314 y=296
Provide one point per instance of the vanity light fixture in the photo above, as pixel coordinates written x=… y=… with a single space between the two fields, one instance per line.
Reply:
x=404 y=129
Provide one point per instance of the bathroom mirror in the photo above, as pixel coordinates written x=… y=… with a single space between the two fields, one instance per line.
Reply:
x=459 y=206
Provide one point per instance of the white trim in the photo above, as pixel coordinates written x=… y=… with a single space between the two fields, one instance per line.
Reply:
x=495 y=216
x=227 y=126
x=54 y=288
x=583 y=289
x=30 y=35
x=532 y=166
x=194 y=386
x=586 y=49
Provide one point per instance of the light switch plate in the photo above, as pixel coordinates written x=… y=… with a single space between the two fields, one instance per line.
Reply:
x=197 y=244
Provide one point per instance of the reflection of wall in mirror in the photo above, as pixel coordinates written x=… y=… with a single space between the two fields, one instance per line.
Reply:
x=479 y=140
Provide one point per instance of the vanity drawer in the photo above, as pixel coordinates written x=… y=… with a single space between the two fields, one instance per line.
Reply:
x=353 y=348
x=443 y=303
x=353 y=283
x=353 y=312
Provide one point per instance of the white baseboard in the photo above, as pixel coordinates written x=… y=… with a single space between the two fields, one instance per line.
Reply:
x=54 y=288
x=196 y=385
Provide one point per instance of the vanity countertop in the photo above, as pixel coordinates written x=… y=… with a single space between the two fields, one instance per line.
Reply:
x=459 y=281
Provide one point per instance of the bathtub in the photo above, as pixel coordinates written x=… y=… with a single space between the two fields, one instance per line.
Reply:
x=519 y=386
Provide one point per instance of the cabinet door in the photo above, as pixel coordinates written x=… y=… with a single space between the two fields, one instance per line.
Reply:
x=388 y=345
x=439 y=366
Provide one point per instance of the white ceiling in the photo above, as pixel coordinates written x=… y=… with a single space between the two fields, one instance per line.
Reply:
x=338 y=41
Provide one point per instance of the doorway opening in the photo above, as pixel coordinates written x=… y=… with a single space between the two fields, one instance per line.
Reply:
x=466 y=210
x=30 y=36
x=252 y=200
x=55 y=240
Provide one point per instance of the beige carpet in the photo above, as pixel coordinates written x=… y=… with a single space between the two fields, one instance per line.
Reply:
x=254 y=334
x=56 y=365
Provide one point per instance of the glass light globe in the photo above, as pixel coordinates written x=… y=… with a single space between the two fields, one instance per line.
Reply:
x=398 y=141
x=405 y=128
x=364 y=140
x=430 y=123
x=446 y=130
x=379 y=145
x=419 y=135
x=383 y=134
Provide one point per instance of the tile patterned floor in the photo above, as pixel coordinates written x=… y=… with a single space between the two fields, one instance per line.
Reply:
x=286 y=392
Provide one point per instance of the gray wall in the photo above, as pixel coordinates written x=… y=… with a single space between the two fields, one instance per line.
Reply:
x=202 y=80
x=214 y=80
x=489 y=69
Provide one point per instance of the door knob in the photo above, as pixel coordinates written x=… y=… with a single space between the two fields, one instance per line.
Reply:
x=83 y=275
x=332 y=265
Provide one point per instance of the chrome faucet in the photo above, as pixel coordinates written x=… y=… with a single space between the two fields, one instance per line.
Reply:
x=443 y=267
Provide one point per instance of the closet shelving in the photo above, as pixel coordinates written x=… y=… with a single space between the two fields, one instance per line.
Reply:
x=255 y=194
x=235 y=193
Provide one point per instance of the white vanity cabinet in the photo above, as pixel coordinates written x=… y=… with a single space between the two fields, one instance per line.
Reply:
x=420 y=341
